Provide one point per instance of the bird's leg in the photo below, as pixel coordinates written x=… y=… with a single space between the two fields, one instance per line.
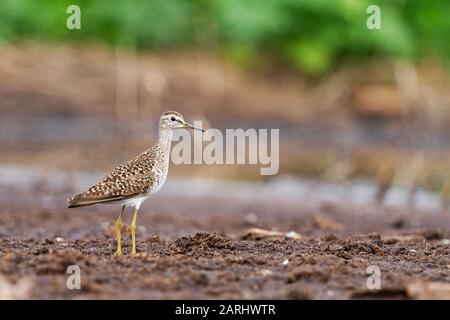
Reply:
x=133 y=231
x=119 y=225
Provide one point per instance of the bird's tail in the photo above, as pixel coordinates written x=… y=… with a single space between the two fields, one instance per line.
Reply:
x=87 y=199
x=77 y=201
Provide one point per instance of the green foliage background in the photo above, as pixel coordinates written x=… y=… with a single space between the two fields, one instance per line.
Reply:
x=309 y=35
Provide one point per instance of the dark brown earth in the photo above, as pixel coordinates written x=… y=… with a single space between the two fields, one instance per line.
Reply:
x=194 y=248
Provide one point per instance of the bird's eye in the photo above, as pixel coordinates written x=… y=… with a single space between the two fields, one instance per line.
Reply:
x=172 y=118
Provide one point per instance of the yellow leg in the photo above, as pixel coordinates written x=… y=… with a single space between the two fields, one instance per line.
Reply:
x=133 y=231
x=119 y=225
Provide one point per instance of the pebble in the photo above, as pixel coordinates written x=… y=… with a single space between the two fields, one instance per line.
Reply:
x=293 y=235
x=251 y=218
x=266 y=272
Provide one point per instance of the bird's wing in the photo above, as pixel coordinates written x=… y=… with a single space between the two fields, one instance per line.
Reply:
x=141 y=165
x=126 y=181
x=112 y=191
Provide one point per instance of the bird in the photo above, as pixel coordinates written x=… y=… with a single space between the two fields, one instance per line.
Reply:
x=134 y=181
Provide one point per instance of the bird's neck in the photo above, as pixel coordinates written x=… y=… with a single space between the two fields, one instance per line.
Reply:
x=164 y=138
x=161 y=149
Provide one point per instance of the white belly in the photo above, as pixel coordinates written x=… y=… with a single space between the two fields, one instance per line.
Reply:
x=135 y=202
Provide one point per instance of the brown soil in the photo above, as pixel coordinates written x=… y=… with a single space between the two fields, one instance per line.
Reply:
x=201 y=249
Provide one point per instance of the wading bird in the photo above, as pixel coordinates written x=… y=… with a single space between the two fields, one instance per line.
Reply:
x=136 y=180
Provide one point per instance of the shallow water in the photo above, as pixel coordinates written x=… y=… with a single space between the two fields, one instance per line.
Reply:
x=284 y=189
x=52 y=129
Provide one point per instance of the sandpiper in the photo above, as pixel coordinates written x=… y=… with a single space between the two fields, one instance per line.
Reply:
x=136 y=180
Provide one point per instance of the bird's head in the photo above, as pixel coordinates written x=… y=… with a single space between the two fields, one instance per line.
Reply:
x=173 y=120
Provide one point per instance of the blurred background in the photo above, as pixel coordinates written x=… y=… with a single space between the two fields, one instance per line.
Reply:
x=363 y=114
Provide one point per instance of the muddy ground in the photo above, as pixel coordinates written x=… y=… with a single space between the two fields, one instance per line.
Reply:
x=201 y=248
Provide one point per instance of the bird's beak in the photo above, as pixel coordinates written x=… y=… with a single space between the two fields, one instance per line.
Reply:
x=187 y=125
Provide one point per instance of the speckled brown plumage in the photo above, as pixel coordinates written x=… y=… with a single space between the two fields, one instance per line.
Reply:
x=137 y=178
